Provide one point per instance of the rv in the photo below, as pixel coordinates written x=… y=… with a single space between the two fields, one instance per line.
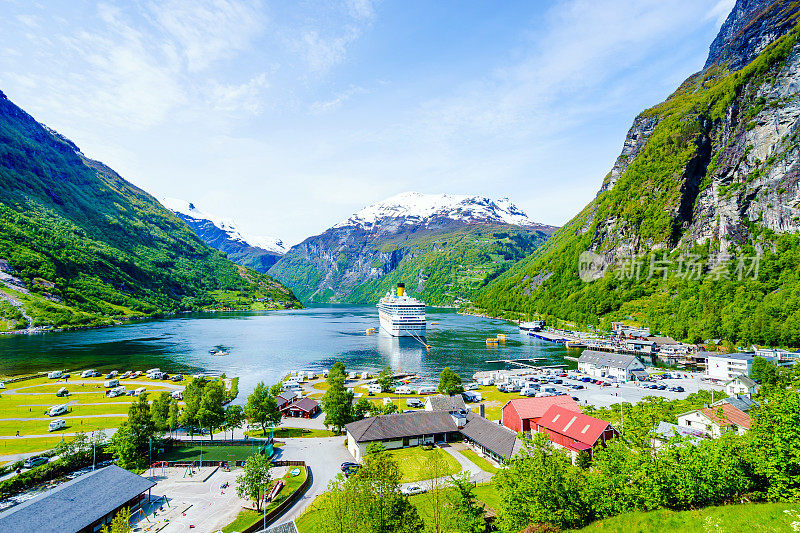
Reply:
x=375 y=388
x=486 y=382
x=111 y=383
x=62 y=392
x=87 y=373
x=55 y=425
x=153 y=371
x=139 y=391
x=472 y=386
x=402 y=389
x=427 y=390
x=365 y=375
x=471 y=396
x=56 y=374
x=414 y=402
x=116 y=391
x=112 y=374
x=57 y=410
x=178 y=395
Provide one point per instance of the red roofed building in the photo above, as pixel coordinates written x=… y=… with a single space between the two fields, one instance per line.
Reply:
x=575 y=431
x=523 y=414
x=717 y=420
x=302 y=408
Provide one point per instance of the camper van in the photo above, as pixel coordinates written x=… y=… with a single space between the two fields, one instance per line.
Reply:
x=139 y=391
x=471 y=386
x=154 y=371
x=427 y=390
x=471 y=396
x=55 y=425
x=116 y=391
x=375 y=388
x=365 y=375
x=402 y=389
x=57 y=410
x=88 y=373
x=178 y=395
x=112 y=374
x=486 y=382
x=62 y=392
x=56 y=374
x=414 y=402
x=111 y=383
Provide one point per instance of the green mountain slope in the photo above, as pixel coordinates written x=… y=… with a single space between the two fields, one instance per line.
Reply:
x=695 y=229
x=79 y=245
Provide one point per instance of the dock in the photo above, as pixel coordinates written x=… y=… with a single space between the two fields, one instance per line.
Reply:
x=526 y=362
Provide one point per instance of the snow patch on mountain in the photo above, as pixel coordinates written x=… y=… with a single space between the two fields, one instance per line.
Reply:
x=271 y=244
x=414 y=207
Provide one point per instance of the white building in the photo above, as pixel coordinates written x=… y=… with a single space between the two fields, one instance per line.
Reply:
x=717 y=420
x=602 y=364
x=726 y=366
x=741 y=385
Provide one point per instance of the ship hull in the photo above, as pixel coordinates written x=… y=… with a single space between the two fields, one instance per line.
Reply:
x=402 y=326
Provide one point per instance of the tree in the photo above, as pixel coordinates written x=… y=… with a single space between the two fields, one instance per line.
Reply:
x=142 y=429
x=435 y=471
x=121 y=446
x=159 y=411
x=192 y=397
x=449 y=382
x=212 y=411
x=253 y=481
x=276 y=390
x=388 y=511
x=337 y=402
x=776 y=443
x=174 y=414
x=469 y=515
x=261 y=407
x=234 y=417
x=120 y=523
x=386 y=378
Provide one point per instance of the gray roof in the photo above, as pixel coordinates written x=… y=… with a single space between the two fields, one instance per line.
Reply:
x=440 y=402
x=665 y=430
x=741 y=402
x=745 y=380
x=496 y=438
x=613 y=360
x=640 y=374
x=741 y=356
x=76 y=504
x=398 y=426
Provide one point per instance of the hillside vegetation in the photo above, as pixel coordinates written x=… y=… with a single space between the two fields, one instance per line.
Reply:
x=79 y=245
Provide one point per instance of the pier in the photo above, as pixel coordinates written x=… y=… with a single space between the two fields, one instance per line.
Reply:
x=527 y=362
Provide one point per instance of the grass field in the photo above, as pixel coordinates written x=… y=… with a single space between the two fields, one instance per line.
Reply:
x=248 y=517
x=414 y=463
x=750 y=518
x=482 y=463
x=292 y=433
x=14 y=446
x=210 y=453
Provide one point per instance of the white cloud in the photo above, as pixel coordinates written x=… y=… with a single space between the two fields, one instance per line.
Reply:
x=720 y=11
x=248 y=96
x=325 y=106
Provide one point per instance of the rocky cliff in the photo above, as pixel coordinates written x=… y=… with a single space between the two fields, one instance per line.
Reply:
x=706 y=179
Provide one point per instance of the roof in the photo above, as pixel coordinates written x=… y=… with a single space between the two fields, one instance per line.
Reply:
x=740 y=356
x=662 y=340
x=668 y=431
x=397 y=426
x=613 y=360
x=535 y=407
x=440 y=402
x=304 y=404
x=741 y=402
x=496 y=438
x=577 y=426
x=640 y=374
x=730 y=415
x=76 y=504
x=744 y=380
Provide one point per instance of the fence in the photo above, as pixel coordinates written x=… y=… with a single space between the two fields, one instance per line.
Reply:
x=276 y=513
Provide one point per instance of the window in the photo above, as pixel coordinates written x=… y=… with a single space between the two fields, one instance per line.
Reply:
x=585 y=429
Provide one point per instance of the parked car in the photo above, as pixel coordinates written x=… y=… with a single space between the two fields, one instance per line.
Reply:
x=37 y=460
x=414 y=402
x=662 y=387
x=348 y=464
x=678 y=389
x=112 y=374
x=411 y=490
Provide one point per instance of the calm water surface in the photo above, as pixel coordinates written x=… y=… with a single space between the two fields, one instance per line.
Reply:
x=267 y=345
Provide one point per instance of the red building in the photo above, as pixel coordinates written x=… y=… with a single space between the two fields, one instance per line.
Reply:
x=523 y=414
x=575 y=432
x=302 y=408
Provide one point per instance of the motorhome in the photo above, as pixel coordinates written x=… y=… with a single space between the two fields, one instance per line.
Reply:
x=88 y=373
x=486 y=382
x=472 y=386
x=62 y=392
x=403 y=389
x=139 y=391
x=57 y=410
x=472 y=396
x=365 y=375
x=111 y=383
x=56 y=374
x=55 y=425
x=154 y=371
x=414 y=402
x=116 y=391
x=178 y=395
x=427 y=390
x=112 y=374
x=375 y=388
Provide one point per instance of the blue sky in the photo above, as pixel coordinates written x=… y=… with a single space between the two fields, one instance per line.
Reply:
x=290 y=116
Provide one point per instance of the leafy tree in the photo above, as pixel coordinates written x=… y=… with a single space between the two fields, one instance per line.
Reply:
x=211 y=413
x=252 y=483
x=120 y=523
x=122 y=447
x=234 y=417
x=174 y=415
x=261 y=407
x=386 y=378
x=449 y=382
x=276 y=390
x=192 y=397
x=142 y=429
x=541 y=486
x=337 y=401
x=469 y=514
x=159 y=411
x=776 y=443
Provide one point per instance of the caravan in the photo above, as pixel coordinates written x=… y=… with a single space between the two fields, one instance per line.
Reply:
x=427 y=390
x=375 y=388
x=88 y=373
x=57 y=410
x=55 y=374
x=111 y=383
x=55 y=425
x=403 y=389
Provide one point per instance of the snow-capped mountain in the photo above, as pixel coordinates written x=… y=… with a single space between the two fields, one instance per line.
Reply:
x=415 y=208
x=452 y=240
x=256 y=252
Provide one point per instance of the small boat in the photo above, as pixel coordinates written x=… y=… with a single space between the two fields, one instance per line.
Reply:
x=434 y=323
x=219 y=352
x=575 y=344
x=492 y=340
x=370 y=331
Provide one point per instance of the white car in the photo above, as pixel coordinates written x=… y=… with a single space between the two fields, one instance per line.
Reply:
x=411 y=490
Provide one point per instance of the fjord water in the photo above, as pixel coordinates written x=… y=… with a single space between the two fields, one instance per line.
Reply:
x=267 y=345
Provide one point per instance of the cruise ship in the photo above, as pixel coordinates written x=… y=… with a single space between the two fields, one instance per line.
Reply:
x=401 y=315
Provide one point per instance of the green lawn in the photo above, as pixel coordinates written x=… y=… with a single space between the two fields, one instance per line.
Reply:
x=210 y=453
x=248 y=517
x=414 y=463
x=482 y=463
x=488 y=494
x=14 y=446
x=750 y=518
x=290 y=433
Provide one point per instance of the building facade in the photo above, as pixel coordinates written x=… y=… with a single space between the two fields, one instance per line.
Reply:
x=603 y=364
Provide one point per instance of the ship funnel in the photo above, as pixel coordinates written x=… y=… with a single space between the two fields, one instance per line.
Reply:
x=401 y=289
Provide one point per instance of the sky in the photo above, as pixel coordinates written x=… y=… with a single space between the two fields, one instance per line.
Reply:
x=290 y=116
